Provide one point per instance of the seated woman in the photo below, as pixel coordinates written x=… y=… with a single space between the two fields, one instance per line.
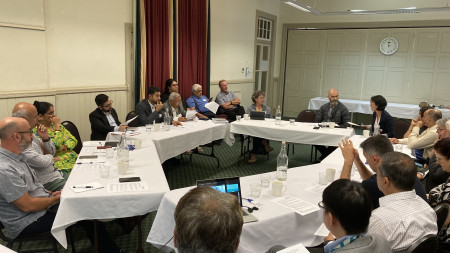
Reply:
x=64 y=141
x=382 y=121
x=441 y=193
x=172 y=86
x=260 y=146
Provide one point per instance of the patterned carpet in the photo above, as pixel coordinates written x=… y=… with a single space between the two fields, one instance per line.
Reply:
x=182 y=173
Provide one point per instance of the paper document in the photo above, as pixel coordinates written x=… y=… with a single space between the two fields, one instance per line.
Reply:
x=127 y=187
x=91 y=161
x=353 y=124
x=212 y=106
x=93 y=143
x=86 y=187
x=322 y=231
x=299 y=248
x=190 y=114
x=295 y=204
x=219 y=120
x=317 y=188
x=128 y=121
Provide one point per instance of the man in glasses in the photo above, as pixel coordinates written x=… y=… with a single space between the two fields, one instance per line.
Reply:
x=150 y=110
x=39 y=155
x=174 y=108
x=104 y=119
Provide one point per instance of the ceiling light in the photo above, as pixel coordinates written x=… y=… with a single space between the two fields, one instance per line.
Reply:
x=297 y=6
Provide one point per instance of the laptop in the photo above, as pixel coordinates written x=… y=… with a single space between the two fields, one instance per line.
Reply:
x=257 y=115
x=230 y=185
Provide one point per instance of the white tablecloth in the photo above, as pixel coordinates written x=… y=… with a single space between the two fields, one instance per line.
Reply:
x=179 y=139
x=99 y=204
x=404 y=111
x=299 y=133
x=276 y=225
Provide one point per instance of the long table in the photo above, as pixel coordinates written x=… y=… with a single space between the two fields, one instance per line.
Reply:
x=276 y=225
x=297 y=133
x=404 y=111
x=90 y=205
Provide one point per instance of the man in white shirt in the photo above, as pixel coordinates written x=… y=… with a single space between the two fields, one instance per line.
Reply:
x=426 y=139
x=403 y=217
x=149 y=110
x=104 y=119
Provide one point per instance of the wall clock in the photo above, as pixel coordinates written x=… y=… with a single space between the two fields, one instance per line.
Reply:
x=388 y=46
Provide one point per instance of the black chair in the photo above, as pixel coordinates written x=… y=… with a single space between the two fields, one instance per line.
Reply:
x=400 y=128
x=442 y=210
x=310 y=117
x=134 y=123
x=70 y=126
x=47 y=236
x=428 y=244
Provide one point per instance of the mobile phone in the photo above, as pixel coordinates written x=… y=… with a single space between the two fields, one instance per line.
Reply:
x=129 y=179
x=87 y=157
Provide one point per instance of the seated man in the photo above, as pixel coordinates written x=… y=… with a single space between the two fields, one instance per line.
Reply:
x=104 y=119
x=333 y=111
x=373 y=149
x=426 y=139
x=23 y=200
x=207 y=220
x=39 y=155
x=174 y=108
x=149 y=110
x=230 y=105
x=198 y=102
x=402 y=218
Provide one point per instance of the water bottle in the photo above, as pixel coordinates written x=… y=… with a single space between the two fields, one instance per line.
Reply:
x=167 y=121
x=123 y=153
x=282 y=163
x=278 y=116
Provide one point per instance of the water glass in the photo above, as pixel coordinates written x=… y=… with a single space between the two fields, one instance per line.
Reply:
x=148 y=127
x=265 y=180
x=104 y=171
x=323 y=178
x=109 y=153
x=255 y=189
x=238 y=117
x=292 y=122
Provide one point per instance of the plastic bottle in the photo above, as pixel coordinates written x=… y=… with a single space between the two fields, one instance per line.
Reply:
x=282 y=163
x=278 y=116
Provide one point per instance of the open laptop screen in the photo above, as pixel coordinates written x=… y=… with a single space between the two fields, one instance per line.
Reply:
x=225 y=185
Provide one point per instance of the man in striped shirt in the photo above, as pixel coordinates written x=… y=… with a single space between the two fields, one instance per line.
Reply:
x=403 y=217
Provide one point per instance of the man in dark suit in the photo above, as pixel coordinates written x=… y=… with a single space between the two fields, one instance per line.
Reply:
x=149 y=110
x=104 y=119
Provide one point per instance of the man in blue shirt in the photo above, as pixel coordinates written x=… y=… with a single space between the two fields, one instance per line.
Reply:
x=198 y=101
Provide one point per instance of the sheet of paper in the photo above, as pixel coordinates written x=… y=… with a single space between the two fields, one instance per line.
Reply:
x=212 y=106
x=322 y=231
x=317 y=188
x=128 y=121
x=190 y=114
x=299 y=248
x=88 y=166
x=84 y=187
x=127 y=187
x=296 y=204
x=353 y=124
x=93 y=143
x=91 y=161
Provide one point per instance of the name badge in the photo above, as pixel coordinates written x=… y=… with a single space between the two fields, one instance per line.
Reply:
x=204 y=99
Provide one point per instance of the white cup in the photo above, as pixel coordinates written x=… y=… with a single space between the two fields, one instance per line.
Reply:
x=157 y=126
x=278 y=188
x=137 y=143
x=332 y=124
x=323 y=178
x=195 y=119
x=122 y=167
x=246 y=116
x=330 y=173
x=366 y=133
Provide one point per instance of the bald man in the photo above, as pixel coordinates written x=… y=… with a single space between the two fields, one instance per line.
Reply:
x=333 y=111
x=23 y=200
x=39 y=155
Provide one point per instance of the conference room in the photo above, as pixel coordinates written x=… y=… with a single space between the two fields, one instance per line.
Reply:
x=66 y=53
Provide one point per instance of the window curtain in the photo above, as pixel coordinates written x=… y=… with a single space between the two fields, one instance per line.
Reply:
x=192 y=44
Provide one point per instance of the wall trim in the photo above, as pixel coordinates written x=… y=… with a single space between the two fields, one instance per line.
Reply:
x=54 y=92
x=235 y=81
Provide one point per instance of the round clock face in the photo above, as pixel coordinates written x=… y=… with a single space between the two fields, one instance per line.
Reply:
x=388 y=46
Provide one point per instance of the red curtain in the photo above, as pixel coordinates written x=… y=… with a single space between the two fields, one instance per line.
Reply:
x=157 y=28
x=192 y=44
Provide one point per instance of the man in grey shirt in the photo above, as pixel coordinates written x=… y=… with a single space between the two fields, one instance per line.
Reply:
x=39 y=155
x=23 y=199
x=229 y=103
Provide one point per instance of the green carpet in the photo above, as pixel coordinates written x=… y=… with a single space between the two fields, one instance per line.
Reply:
x=182 y=173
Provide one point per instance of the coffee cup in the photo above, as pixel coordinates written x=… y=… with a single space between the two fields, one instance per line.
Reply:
x=278 y=188
x=246 y=116
x=330 y=173
x=156 y=127
x=366 y=133
x=332 y=124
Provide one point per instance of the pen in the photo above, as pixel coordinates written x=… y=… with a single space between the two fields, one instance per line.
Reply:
x=86 y=163
x=86 y=186
x=100 y=143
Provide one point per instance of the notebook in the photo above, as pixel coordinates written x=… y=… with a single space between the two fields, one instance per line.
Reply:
x=230 y=185
x=257 y=115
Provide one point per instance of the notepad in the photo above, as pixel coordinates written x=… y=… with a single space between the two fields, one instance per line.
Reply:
x=295 y=204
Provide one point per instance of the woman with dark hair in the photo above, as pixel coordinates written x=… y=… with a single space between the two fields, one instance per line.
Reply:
x=172 y=86
x=64 y=141
x=260 y=146
x=382 y=121
x=441 y=193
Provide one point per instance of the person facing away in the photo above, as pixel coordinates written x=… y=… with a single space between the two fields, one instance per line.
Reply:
x=104 y=119
x=403 y=218
x=373 y=150
x=207 y=221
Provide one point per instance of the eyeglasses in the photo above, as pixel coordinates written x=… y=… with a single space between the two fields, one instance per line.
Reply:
x=110 y=104
x=321 y=205
x=441 y=129
x=25 y=132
